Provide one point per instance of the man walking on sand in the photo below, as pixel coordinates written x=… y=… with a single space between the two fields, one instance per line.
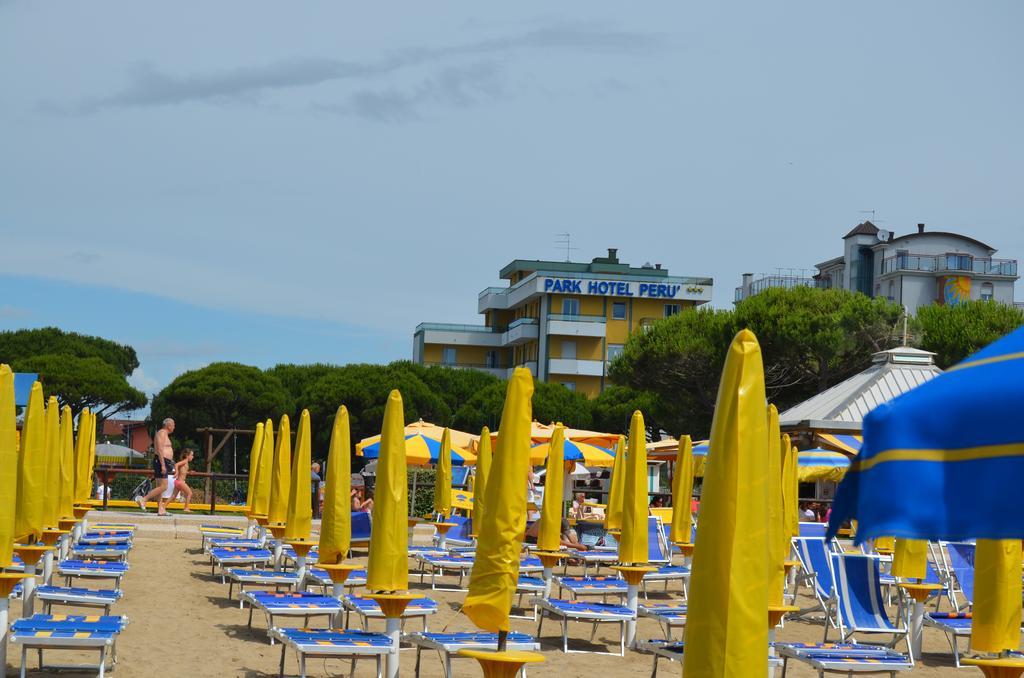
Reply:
x=163 y=469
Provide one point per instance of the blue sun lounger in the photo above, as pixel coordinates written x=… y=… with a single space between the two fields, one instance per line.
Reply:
x=954 y=625
x=233 y=542
x=92 y=569
x=209 y=531
x=592 y=586
x=528 y=585
x=320 y=577
x=288 y=555
x=105 y=551
x=458 y=535
x=669 y=615
x=594 y=613
x=530 y=564
x=332 y=644
x=845 y=658
x=290 y=604
x=68 y=632
x=276 y=579
x=448 y=645
x=224 y=557
x=435 y=565
x=673 y=651
x=816 y=572
x=858 y=601
x=74 y=596
x=107 y=537
x=369 y=609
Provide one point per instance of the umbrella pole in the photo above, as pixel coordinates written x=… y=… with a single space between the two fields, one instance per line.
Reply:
x=502 y=641
x=28 y=590
x=412 y=498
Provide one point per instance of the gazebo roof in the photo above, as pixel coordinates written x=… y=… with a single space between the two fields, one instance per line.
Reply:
x=844 y=406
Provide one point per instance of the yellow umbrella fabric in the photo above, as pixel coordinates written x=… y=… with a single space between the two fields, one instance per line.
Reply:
x=280 y=475
x=495 y=573
x=254 y=468
x=265 y=472
x=483 y=470
x=682 y=493
x=443 y=476
x=32 y=469
x=549 y=537
x=541 y=433
x=633 y=544
x=613 y=513
x=790 y=487
x=336 y=520
x=997 y=594
x=51 y=492
x=726 y=624
x=388 y=568
x=778 y=531
x=299 y=521
x=66 y=491
x=8 y=467
x=910 y=559
x=83 y=461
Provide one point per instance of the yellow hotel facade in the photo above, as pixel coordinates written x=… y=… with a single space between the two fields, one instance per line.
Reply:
x=566 y=321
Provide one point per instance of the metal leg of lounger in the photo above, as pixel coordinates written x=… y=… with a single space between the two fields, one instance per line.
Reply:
x=565 y=634
x=419 y=657
x=284 y=646
x=447 y=665
x=380 y=667
x=103 y=660
x=24 y=659
x=622 y=641
x=654 y=671
x=302 y=665
x=249 y=623
x=593 y=630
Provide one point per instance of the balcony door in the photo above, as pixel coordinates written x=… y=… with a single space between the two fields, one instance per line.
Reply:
x=569 y=349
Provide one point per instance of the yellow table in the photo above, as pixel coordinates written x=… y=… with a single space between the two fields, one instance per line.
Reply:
x=998 y=667
x=502 y=664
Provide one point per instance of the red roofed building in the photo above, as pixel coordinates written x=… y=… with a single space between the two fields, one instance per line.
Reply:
x=133 y=433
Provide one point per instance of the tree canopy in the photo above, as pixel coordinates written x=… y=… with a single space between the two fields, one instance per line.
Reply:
x=956 y=331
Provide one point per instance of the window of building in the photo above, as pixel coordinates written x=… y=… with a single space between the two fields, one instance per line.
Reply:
x=448 y=355
x=614 y=351
x=618 y=310
x=492 y=359
x=958 y=262
x=892 y=291
x=671 y=309
x=570 y=306
x=571 y=385
x=569 y=349
x=987 y=292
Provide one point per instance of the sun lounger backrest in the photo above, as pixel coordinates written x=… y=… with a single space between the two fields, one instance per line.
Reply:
x=460 y=474
x=814 y=558
x=961 y=560
x=461 y=530
x=857 y=581
x=360 y=526
x=813 y=529
x=656 y=546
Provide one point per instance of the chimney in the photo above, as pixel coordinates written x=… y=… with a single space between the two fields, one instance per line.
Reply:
x=613 y=255
x=920 y=228
x=748 y=281
x=657 y=266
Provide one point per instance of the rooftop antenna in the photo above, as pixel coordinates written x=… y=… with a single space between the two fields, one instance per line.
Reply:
x=565 y=240
x=871 y=212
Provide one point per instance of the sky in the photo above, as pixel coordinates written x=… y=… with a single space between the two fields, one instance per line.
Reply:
x=296 y=182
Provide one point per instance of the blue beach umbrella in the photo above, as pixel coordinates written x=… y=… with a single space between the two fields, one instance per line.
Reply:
x=422 y=451
x=818 y=464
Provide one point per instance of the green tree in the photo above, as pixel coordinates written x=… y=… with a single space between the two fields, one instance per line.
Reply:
x=221 y=395
x=613 y=409
x=82 y=371
x=954 y=332
x=551 y=402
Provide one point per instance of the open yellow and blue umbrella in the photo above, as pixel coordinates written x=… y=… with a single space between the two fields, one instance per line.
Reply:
x=818 y=464
x=423 y=445
x=583 y=453
x=850 y=443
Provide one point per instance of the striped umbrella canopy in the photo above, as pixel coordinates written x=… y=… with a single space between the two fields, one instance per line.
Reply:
x=423 y=445
x=584 y=453
x=818 y=464
x=850 y=443
x=541 y=433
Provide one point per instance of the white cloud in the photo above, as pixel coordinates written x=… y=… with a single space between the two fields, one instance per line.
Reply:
x=140 y=380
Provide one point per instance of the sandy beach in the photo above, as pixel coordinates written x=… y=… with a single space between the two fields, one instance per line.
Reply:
x=183 y=624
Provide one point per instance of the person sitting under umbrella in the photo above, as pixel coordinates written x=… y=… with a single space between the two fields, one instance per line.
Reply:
x=567 y=536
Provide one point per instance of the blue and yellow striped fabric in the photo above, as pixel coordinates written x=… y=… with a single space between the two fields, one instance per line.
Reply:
x=944 y=460
x=820 y=464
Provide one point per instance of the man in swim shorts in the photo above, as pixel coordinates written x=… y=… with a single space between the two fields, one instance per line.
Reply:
x=163 y=469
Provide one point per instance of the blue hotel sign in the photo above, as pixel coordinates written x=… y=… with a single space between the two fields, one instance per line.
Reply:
x=617 y=288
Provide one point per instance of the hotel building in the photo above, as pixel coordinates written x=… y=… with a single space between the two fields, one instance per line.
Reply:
x=566 y=321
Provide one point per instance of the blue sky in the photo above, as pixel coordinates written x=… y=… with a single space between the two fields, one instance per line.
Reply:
x=271 y=182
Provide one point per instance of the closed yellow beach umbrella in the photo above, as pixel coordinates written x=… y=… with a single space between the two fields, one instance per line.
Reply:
x=280 y=474
x=549 y=537
x=254 y=469
x=613 y=512
x=790 y=487
x=682 y=493
x=633 y=543
x=8 y=467
x=388 y=568
x=443 y=476
x=336 y=520
x=778 y=531
x=32 y=470
x=496 y=569
x=726 y=624
x=483 y=470
x=83 y=462
x=910 y=559
x=51 y=491
x=997 y=594
x=299 y=520
x=265 y=472
x=66 y=488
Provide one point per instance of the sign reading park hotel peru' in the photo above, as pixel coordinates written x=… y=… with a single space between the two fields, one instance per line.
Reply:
x=623 y=288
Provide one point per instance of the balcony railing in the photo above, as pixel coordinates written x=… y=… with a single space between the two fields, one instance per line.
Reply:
x=577 y=318
x=783 y=281
x=959 y=263
x=454 y=327
x=460 y=365
x=523 y=321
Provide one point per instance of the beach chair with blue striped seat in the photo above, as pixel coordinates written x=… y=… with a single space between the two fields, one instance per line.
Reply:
x=289 y=556
x=587 y=612
x=847 y=658
x=592 y=558
x=434 y=565
x=530 y=565
x=816 y=572
x=858 y=603
x=92 y=569
x=954 y=625
x=290 y=604
x=458 y=535
x=104 y=551
x=113 y=527
x=332 y=644
x=233 y=542
x=74 y=596
x=529 y=586
x=107 y=537
x=673 y=651
x=447 y=645
x=219 y=531
x=668 y=615
x=320 y=577
x=68 y=632
x=368 y=609
x=592 y=586
x=961 y=568
x=232 y=557
x=265 y=579
x=361 y=524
